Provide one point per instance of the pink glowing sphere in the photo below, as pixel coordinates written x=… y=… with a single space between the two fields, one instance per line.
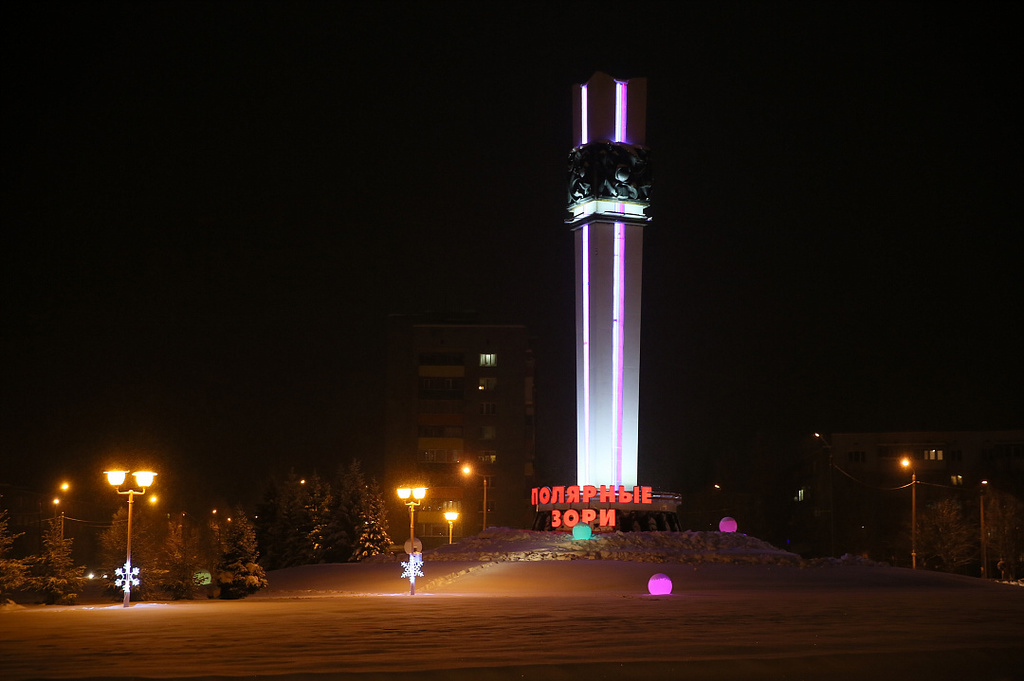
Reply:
x=659 y=585
x=727 y=524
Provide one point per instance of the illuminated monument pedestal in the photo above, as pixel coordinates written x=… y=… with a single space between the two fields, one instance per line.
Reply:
x=608 y=193
x=655 y=513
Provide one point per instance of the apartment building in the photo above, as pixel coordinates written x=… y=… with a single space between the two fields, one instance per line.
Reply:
x=459 y=395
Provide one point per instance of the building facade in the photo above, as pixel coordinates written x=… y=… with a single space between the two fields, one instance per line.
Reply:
x=862 y=491
x=460 y=395
x=949 y=458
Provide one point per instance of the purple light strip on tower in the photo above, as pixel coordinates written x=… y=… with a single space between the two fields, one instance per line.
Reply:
x=620 y=112
x=584 y=132
x=586 y=353
x=618 y=327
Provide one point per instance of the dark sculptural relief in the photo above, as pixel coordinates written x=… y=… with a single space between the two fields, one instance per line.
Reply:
x=609 y=170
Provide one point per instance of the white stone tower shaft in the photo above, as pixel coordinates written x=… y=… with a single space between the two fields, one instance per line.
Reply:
x=609 y=185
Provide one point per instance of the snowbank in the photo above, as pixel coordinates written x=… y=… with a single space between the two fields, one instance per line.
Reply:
x=501 y=544
x=490 y=608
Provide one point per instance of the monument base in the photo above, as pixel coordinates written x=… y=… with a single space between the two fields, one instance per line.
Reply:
x=659 y=516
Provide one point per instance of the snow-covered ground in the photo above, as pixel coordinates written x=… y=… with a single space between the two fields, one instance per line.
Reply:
x=522 y=605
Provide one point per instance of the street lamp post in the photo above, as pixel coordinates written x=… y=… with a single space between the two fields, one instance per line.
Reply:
x=913 y=512
x=984 y=539
x=128 y=574
x=831 y=498
x=412 y=497
x=451 y=517
x=467 y=470
x=63 y=488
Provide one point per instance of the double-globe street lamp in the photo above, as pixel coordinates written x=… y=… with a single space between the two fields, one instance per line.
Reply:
x=412 y=497
x=144 y=479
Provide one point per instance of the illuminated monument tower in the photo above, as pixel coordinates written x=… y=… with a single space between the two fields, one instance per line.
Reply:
x=609 y=189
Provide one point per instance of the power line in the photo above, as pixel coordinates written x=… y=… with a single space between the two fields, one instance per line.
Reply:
x=893 y=489
x=861 y=482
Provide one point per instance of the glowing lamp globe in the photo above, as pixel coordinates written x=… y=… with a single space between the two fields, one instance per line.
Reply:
x=581 y=531
x=659 y=585
x=727 y=524
x=116 y=478
x=404 y=492
x=144 y=478
x=419 y=492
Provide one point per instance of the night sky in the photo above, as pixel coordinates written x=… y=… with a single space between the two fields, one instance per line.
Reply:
x=209 y=210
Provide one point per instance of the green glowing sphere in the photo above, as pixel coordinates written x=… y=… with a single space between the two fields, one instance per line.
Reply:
x=581 y=531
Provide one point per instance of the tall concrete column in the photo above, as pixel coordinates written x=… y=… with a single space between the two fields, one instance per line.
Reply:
x=609 y=190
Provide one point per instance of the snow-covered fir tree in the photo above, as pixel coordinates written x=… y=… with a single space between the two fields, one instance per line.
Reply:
x=327 y=537
x=314 y=520
x=265 y=523
x=147 y=550
x=181 y=561
x=373 y=529
x=238 y=573
x=54 y=573
x=12 y=570
x=285 y=524
x=348 y=508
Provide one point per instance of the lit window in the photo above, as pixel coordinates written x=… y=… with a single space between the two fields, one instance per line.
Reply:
x=490 y=408
x=488 y=383
x=488 y=360
x=933 y=455
x=799 y=495
x=956 y=479
x=487 y=456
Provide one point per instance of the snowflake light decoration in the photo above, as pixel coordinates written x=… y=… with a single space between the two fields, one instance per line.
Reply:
x=127 y=576
x=412 y=571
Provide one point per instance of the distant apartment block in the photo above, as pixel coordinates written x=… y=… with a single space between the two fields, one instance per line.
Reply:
x=954 y=458
x=459 y=394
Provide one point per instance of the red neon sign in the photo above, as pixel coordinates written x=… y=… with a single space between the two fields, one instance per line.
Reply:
x=605 y=494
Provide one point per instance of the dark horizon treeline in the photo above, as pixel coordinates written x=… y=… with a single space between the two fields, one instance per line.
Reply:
x=180 y=556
